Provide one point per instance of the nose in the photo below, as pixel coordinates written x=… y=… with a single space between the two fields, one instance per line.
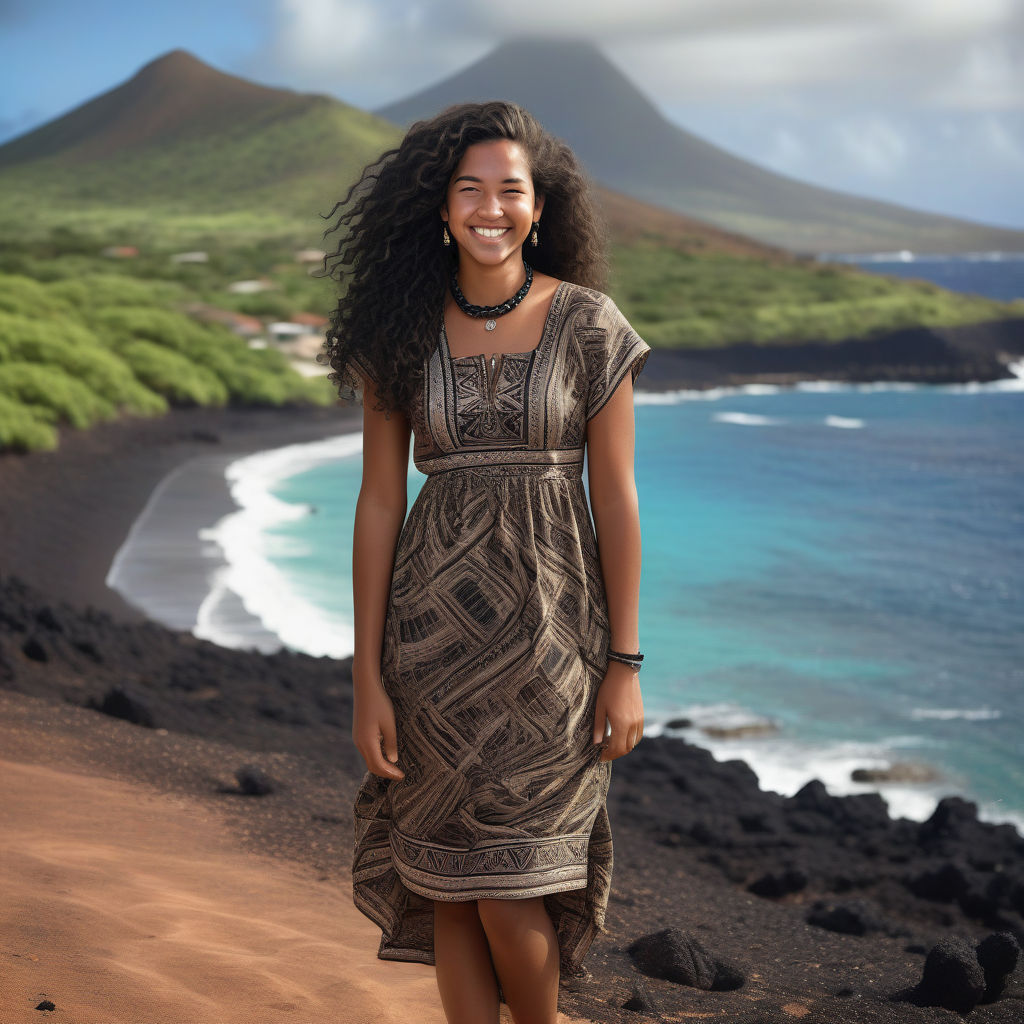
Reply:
x=490 y=205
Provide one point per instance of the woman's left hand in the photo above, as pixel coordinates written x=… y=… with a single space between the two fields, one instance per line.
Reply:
x=620 y=703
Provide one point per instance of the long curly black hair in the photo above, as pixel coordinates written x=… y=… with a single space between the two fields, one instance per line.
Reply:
x=392 y=267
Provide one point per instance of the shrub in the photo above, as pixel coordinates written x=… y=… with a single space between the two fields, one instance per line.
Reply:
x=21 y=430
x=172 y=375
x=87 y=292
x=20 y=294
x=61 y=342
x=251 y=376
x=51 y=388
x=120 y=326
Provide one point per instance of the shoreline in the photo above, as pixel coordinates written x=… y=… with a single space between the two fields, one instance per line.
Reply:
x=76 y=506
x=193 y=558
x=172 y=565
x=699 y=846
x=178 y=573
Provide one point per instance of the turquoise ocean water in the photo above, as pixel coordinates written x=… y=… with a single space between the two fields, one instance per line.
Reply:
x=839 y=566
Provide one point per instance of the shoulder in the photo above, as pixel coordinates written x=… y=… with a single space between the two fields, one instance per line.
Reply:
x=592 y=310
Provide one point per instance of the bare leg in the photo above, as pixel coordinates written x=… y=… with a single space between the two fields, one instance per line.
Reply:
x=462 y=960
x=524 y=949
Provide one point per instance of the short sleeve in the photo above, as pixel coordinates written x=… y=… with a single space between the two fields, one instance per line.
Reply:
x=612 y=348
x=351 y=385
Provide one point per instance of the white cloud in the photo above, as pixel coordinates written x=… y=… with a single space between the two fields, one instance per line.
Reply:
x=962 y=54
x=989 y=75
x=915 y=100
x=311 y=32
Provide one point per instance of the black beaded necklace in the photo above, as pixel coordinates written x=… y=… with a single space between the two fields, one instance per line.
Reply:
x=490 y=311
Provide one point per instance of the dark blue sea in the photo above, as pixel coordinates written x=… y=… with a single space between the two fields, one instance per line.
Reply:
x=994 y=275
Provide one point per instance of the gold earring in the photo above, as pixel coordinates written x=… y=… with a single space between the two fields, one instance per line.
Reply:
x=445 y=237
x=533 y=236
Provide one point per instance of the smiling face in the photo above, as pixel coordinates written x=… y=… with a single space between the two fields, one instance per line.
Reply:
x=490 y=205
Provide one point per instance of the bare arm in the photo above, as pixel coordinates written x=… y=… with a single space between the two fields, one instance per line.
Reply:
x=380 y=513
x=613 y=499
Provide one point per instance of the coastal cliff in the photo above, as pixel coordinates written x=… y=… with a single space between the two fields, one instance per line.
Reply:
x=937 y=355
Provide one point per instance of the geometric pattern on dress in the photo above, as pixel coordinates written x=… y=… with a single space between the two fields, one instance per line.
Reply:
x=495 y=644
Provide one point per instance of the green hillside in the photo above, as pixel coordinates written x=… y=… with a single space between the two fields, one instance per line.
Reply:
x=182 y=151
x=90 y=346
x=183 y=157
x=680 y=299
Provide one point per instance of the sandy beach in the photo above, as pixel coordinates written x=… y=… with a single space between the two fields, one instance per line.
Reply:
x=120 y=902
x=141 y=882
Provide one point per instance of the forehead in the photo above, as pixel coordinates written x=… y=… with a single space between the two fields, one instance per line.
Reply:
x=497 y=158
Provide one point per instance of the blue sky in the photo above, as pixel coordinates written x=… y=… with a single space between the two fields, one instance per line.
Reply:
x=920 y=102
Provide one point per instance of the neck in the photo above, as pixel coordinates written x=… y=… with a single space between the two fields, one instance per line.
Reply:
x=489 y=286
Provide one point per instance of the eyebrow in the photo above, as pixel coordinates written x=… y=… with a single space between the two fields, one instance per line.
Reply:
x=506 y=181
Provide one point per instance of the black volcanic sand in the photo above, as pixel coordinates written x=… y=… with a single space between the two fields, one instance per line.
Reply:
x=64 y=514
x=807 y=907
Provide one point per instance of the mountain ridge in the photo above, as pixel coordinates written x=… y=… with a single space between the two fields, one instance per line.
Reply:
x=627 y=144
x=177 y=87
x=112 y=147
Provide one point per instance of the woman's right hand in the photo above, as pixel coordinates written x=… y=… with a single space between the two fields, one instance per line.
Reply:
x=373 y=725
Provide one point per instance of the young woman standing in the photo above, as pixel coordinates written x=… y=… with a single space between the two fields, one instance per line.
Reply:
x=496 y=634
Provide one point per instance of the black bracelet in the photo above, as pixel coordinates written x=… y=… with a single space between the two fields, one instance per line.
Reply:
x=633 y=660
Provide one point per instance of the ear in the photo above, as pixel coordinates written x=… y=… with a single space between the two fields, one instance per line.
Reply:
x=538 y=205
x=444 y=210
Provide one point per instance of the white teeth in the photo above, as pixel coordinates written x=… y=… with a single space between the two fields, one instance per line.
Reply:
x=491 y=232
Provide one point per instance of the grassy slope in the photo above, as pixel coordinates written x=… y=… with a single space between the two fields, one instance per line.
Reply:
x=260 y=187
x=680 y=299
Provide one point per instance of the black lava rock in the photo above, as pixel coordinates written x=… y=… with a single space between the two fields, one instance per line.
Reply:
x=998 y=955
x=952 y=977
x=33 y=648
x=679 y=723
x=952 y=820
x=943 y=883
x=780 y=883
x=47 y=618
x=640 y=999
x=120 y=702
x=680 y=957
x=253 y=781
x=851 y=917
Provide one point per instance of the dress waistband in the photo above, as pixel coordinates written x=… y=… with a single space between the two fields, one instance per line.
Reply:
x=526 y=460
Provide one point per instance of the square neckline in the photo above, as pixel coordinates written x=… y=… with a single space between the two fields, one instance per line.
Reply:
x=548 y=320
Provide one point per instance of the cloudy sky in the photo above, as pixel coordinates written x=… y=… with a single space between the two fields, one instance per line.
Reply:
x=916 y=101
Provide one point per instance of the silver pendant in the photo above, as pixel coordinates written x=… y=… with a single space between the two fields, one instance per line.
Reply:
x=491 y=324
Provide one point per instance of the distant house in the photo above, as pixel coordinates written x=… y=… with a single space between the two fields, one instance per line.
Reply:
x=190 y=257
x=314 y=320
x=301 y=348
x=309 y=256
x=295 y=340
x=120 y=252
x=251 y=287
x=243 y=325
x=285 y=330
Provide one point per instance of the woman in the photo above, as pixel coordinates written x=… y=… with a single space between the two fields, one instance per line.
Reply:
x=496 y=646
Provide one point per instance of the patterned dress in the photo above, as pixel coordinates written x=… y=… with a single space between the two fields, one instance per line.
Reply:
x=494 y=643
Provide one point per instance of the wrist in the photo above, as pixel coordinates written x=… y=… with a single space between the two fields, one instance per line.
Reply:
x=366 y=678
x=620 y=670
